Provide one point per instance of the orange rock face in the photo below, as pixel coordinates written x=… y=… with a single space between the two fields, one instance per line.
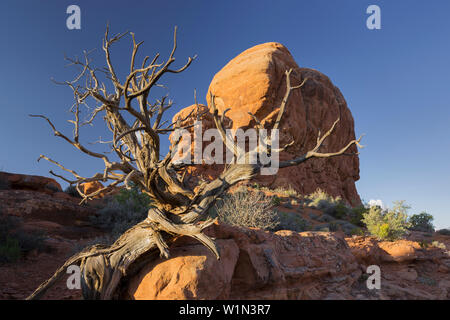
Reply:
x=259 y=265
x=93 y=186
x=400 y=251
x=254 y=81
x=29 y=182
x=90 y=187
x=254 y=264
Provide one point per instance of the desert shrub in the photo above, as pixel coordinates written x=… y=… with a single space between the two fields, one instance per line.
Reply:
x=276 y=201
x=291 y=221
x=421 y=222
x=16 y=242
x=357 y=214
x=340 y=210
x=444 y=232
x=333 y=206
x=439 y=245
x=29 y=241
x=424 y=244
x=388 y=224
x=333 y=226
x=121 y=213
x=9 y=250
x=319 y=199
x=72 y=191
x=4 y=184
x=286 y=192
x=357 y=232
x=248 y=209
x=256 y=186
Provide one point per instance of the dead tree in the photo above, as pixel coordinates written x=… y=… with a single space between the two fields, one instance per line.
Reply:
x=177 y=210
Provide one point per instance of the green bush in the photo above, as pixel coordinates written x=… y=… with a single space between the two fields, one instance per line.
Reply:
x=439 y=245
x=286 y=192
x=333 y=206
x=333 y=226
x=276 y=201
x=421 y=222
x=126 y=209
x=321 y=200
x=357 y=232
x=4 y=184
x=357 y=214
x=29 y=241
x=9 y=250
x=444 y=232
x=247 y=209
x=291 y=221
x=16 y=242
x=389 y=224
x=339 y=211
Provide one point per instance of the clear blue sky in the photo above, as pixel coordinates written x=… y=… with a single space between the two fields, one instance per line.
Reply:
x=395 y=80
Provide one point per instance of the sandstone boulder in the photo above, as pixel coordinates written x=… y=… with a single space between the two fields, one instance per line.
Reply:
x=29 y=182
x=400 y=251
x=93 y=186
x=255 y=81
x=90 y=187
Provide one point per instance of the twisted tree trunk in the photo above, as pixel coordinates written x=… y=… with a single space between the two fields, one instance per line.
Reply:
x=105 y=269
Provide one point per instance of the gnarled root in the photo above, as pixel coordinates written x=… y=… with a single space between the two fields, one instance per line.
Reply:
x=103 y=268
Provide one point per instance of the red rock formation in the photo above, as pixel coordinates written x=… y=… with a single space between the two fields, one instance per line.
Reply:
x=65 y=225
x=29 y=182
x=41 y=205
x=407 y=270
x=258 y=265
x=254 y=265
x=255 y=81
x=91 y=187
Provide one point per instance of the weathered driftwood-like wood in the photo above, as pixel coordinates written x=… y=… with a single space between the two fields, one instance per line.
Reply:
x=178 y=211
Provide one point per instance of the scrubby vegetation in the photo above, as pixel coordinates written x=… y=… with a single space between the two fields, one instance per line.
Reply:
x=276 y=201
x=283 y=192
x=356 y=215
x=321 y=200
x=439 y=245
x=387 y=224
x=15 y=242
x=333 y=206
x=421 y=222
x=255 y=209
x=286 y=192
x=444 y=232
x=248 y=209
x=336 y=207
x=72 y=191
x=4 y=185
x=122 y=212
x=291 y=221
